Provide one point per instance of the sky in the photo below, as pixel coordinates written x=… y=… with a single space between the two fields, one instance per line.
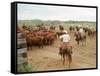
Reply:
x=63 y=13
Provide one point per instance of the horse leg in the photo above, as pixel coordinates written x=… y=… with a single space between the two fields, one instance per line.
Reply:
x=84 y=40
x=48 y=41
x=63 y=59
x=42 y=45
x=66 y=58
x=69 y=59
x=60 y=49
x=71 y=49
x=78 y=42
x=31 y=47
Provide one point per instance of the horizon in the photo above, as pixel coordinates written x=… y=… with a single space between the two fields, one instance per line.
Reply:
x=56 y=20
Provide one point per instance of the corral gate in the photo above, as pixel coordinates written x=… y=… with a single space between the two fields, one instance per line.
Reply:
x=21 y=49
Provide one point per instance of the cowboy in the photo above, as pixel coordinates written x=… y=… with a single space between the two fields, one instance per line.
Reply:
x=81 y=31
x=65 y=39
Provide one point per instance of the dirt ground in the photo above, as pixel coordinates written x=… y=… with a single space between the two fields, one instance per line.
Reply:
x=47 y=58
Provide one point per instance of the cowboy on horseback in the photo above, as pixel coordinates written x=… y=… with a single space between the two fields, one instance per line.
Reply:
x=81 y=31
x=80 y=35
x=65 y=39
x=65 y=49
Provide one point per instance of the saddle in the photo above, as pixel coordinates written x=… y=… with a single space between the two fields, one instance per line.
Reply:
x=65 y=46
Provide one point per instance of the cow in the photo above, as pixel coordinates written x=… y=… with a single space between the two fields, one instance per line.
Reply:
x=52 y=27
x=71 y=28
x=59 y=33
x=49 y=38
x=85 y=29
x=77 y=28
x=61 y=28
x=91 y=31
x=34 y=41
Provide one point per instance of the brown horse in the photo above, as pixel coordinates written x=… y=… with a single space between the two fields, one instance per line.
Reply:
x=80 y=37
x=66 y=53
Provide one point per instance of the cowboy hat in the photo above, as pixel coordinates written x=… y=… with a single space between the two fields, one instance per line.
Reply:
x=65 y=32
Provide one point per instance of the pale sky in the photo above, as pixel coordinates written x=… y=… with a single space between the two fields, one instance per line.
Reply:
x=63 y=13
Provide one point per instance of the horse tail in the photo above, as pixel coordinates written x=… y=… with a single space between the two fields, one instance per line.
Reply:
x=70 y=59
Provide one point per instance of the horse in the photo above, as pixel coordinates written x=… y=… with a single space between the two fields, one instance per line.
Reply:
x=80 y=37
x=66 y=52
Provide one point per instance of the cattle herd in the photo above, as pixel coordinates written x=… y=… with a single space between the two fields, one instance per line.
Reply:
x=43 y=35
x=38 y=37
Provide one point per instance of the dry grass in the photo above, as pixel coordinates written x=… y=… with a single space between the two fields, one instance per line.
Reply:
x=47 y=58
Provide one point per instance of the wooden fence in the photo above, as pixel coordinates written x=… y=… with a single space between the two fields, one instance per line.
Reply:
x=21 y=49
